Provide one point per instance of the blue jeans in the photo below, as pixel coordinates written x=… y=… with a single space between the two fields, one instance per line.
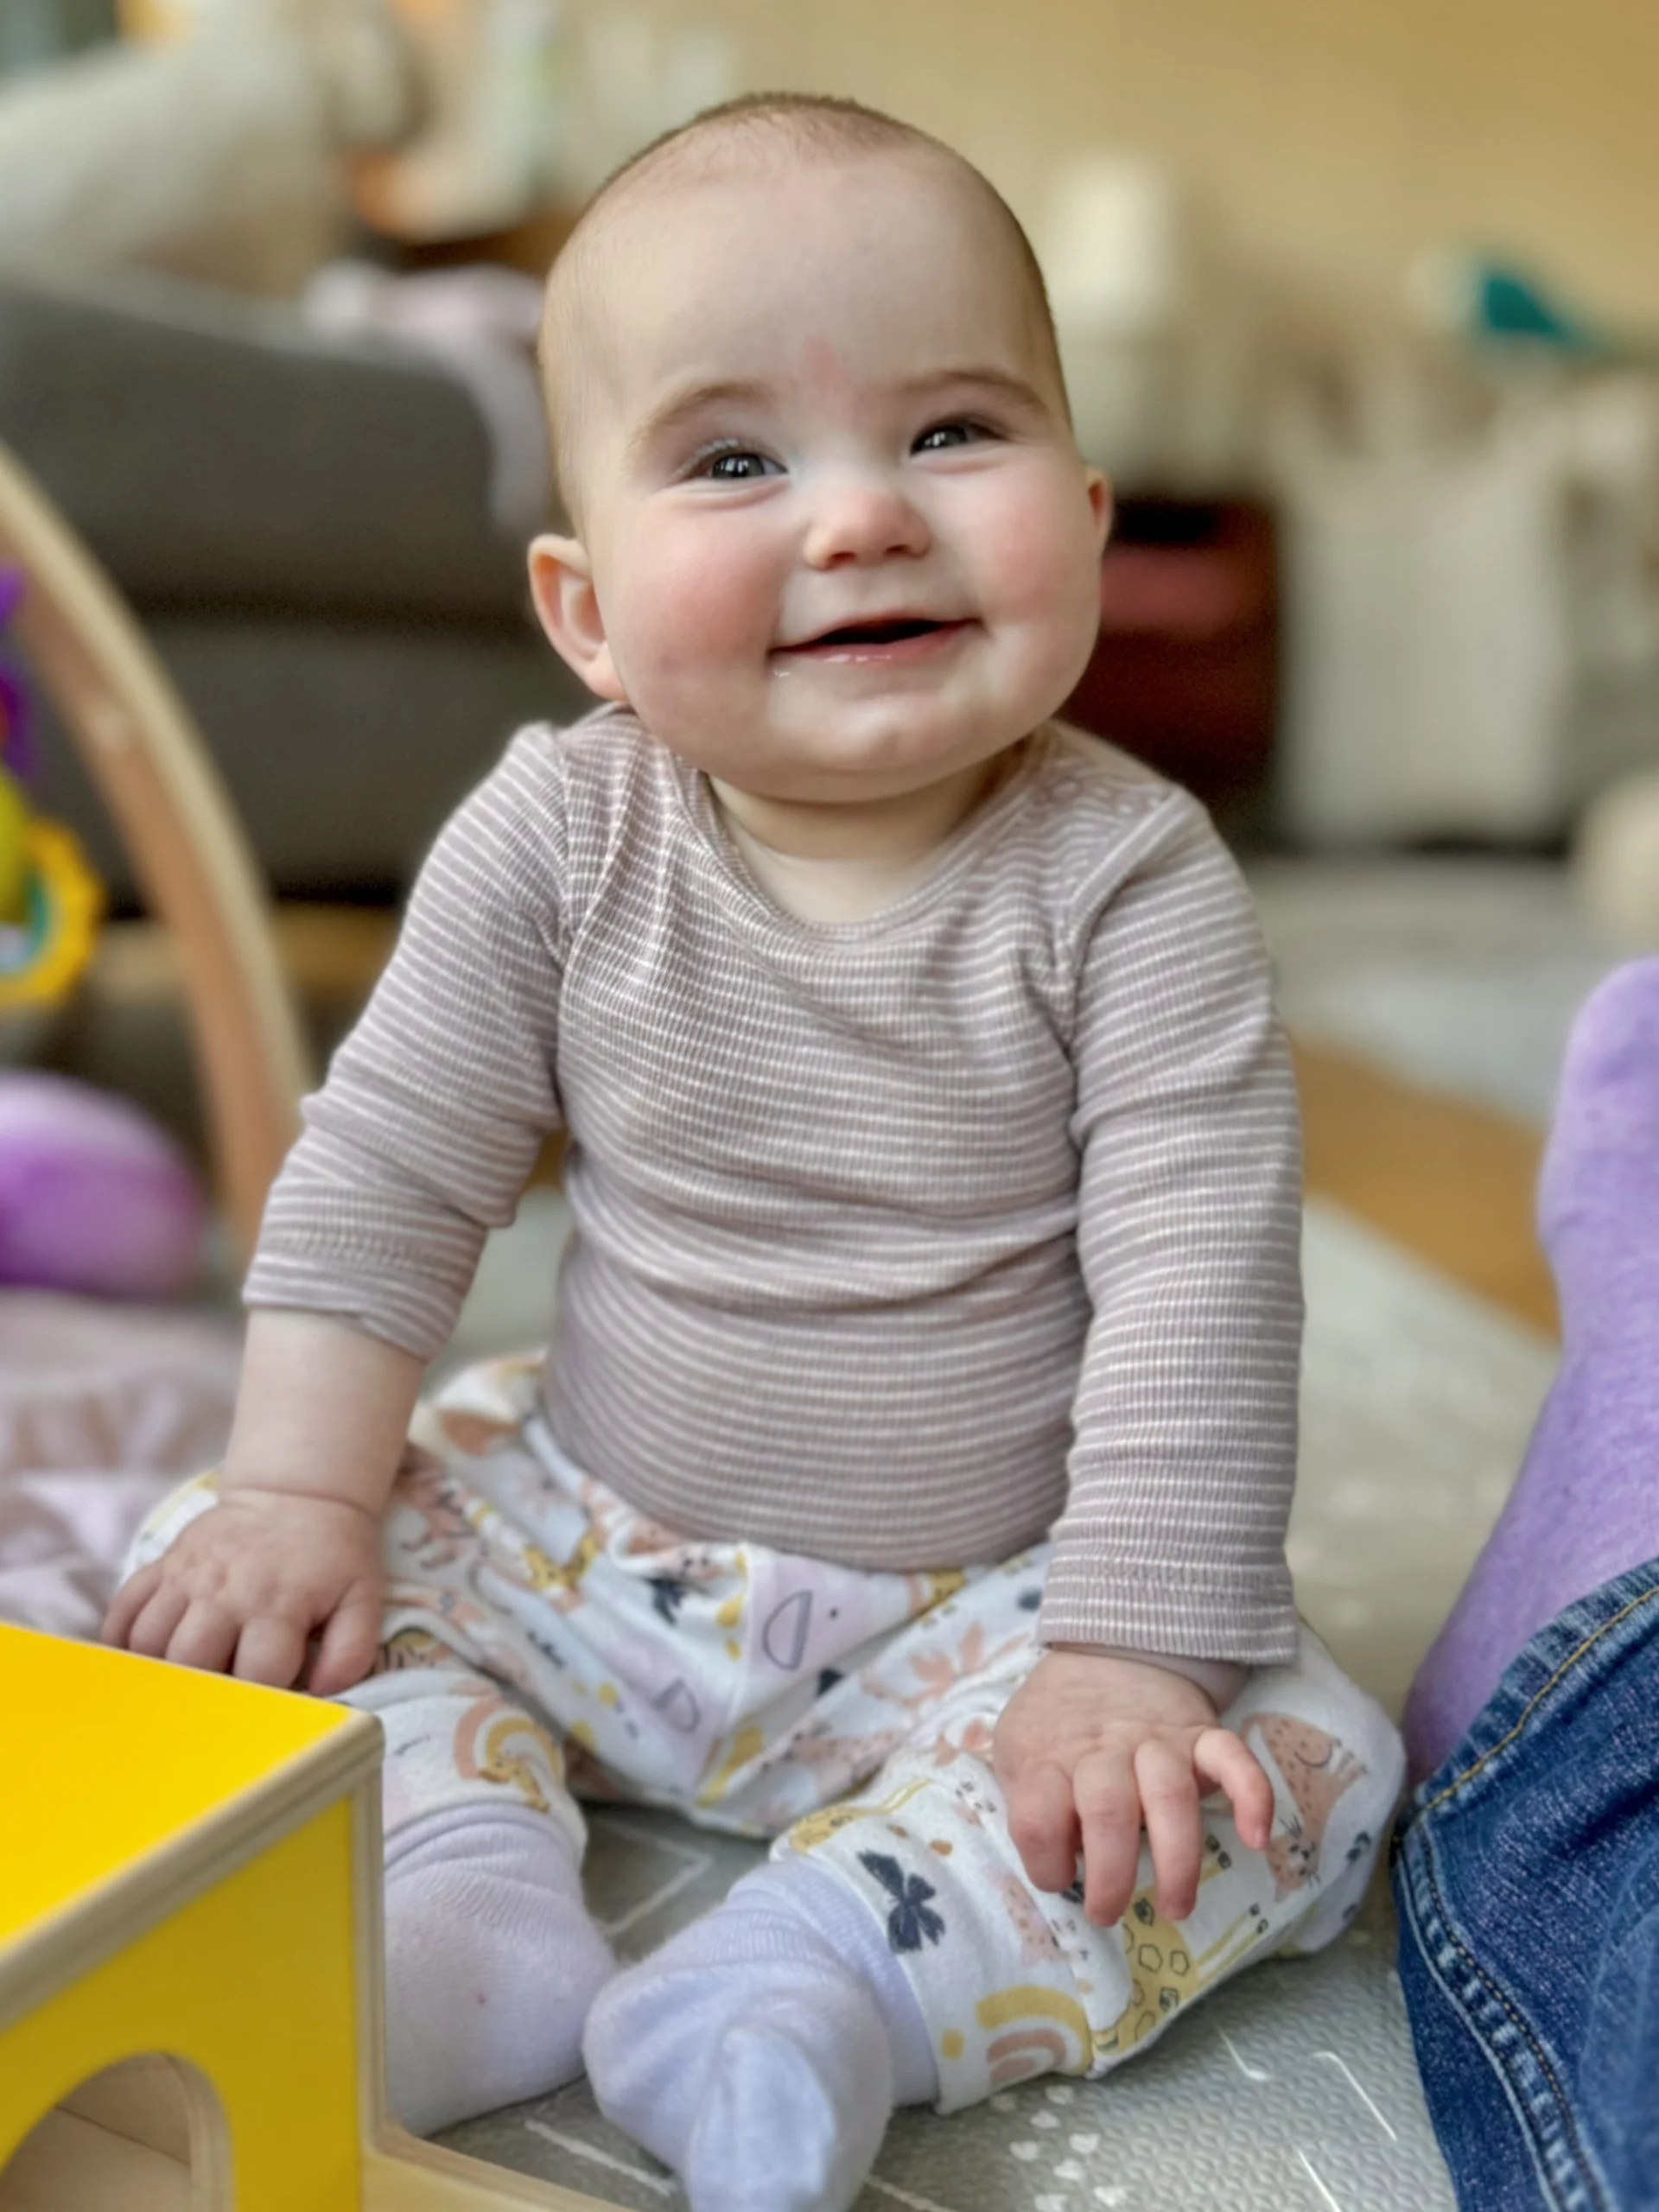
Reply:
x=1527 y=1874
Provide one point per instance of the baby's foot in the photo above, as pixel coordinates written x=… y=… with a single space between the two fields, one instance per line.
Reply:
x=491 y=1965
x=760 y=2052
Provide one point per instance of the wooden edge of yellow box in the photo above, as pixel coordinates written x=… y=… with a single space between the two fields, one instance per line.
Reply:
x=191 y=1998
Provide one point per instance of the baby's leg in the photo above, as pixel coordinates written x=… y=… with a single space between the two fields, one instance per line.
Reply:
x=492 y=1961
x=895 y=1952
x=1585 y=1506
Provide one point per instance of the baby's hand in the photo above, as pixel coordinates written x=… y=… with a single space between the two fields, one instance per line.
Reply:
x=244 y=1587
x=1092 y=1746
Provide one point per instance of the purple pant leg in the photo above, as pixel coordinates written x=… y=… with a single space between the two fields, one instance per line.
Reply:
x=1586 y=1503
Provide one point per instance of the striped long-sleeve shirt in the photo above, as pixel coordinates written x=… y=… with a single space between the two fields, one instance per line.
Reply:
x=896 y=1241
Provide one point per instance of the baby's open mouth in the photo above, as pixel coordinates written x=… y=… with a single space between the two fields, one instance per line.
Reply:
x=878 y=634
x=892 y=637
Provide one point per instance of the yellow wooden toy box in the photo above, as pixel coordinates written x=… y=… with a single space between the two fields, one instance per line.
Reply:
x=190 y=1952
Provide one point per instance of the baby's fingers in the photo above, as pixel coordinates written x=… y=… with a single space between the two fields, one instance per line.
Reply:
x=1223 y=1763
x=269 y=1649
x=205 y=1639
x=1109 y=1806
x=161 y=1610
x=349 y=1642
x=1043 y=1824
x=1169 y=1805
x=128 y=1602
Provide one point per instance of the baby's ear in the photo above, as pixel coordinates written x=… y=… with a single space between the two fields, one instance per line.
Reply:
x=562 y=586
x=1099 y=493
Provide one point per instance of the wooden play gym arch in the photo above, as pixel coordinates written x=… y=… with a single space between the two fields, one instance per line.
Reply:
x=153 y=771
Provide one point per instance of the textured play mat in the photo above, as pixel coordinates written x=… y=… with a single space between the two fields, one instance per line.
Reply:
x=1294 y=2087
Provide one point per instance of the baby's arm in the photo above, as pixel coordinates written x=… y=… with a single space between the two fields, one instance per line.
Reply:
x=419 y=1142
x=1188 y=1233
x=292 y=1551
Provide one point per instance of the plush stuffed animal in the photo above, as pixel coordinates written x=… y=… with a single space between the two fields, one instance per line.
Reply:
x=221 y=156
x=93 y=1198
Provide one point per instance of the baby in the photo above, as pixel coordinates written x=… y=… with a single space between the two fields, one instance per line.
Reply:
x=907 y=1476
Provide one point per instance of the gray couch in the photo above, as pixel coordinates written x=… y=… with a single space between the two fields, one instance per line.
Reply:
x=303 y=528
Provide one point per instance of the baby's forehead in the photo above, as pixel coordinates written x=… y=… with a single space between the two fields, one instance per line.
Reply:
x=601 y=290
x=611 y=256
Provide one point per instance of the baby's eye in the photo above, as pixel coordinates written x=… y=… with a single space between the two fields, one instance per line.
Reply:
x=733 y=465
x=942 y=435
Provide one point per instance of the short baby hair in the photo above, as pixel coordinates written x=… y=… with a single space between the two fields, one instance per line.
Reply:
x=811 y=124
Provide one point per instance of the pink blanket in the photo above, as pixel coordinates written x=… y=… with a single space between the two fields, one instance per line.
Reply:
x=102 y=1409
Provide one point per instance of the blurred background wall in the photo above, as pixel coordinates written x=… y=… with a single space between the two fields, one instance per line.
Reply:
x=1340 y=138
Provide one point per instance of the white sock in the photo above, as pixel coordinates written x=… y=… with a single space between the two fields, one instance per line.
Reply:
x=761 y=2051
x=492 y=1963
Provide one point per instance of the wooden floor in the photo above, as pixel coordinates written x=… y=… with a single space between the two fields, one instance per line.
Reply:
x=1452 y=1182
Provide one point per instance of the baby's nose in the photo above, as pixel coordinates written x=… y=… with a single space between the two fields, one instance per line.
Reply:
x=863 y=517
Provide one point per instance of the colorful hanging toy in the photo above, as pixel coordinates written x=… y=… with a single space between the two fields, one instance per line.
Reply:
x=50 y=900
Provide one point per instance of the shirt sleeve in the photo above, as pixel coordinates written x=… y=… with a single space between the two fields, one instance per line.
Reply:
x=1189 y=1238
x=425 y=1133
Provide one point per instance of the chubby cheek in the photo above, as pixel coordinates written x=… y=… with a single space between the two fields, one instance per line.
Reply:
x=1038 y=568
x=686 y=610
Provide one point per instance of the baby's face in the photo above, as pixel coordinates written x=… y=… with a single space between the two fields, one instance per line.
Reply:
x=840 y=540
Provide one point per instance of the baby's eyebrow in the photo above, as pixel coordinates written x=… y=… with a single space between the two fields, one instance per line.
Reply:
x=994 y=379
x=696 y=399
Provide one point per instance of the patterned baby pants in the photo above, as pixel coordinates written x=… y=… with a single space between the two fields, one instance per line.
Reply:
x=542 y=1641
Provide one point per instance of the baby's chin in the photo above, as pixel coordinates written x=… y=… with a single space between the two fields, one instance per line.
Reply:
x=863 y=777
x=857 y=759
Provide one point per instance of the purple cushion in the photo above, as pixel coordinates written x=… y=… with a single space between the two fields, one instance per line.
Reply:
x=93 y=1197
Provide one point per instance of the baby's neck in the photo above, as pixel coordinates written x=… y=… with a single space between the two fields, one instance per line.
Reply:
x=908 y=827
x=844 y=864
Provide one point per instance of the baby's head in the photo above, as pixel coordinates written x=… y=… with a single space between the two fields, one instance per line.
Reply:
x=833 y=541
